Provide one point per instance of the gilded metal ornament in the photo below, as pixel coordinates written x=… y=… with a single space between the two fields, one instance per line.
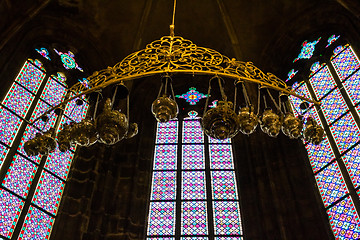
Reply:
x=84 y=133
x=313 y=132
x=111 y=125
x=133 y=130
x=292 y=126
x=270 y=123
x=164 y=109
x=64 y=138
x=248 y=120
x=41 y=144
x=174 y=54
x=221 y=122
x=31 y=147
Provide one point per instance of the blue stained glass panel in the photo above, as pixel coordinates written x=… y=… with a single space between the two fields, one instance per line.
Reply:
x=161 y=238
x=322 y=82
x=3 y=152
x=194 y=218
x=227 y=219
x=30 y=132
x=344 y=220
x=167 y=132
x=223 y=185
x=18 y=99
x=320 y=155
x=345 y=63
x=352 y=163
x=333 y=106
x=9 y=125
x=59 y=163
x=214 y=140
x=303 y=91
x=48 y=192
x=19 y=176
x=53 y=93
x=194 y=238
x=165 y=157
x=10 y=209
x=192 y=132
x=161 y=218
x=30 y=77
x=163 y=186
x=345 y=132
x=37 y=225
x=331 y=184
x=229 y=238
x=193 y=185
x=40 y=108
x=221 y=157
x=193 y=157
x=352 y=87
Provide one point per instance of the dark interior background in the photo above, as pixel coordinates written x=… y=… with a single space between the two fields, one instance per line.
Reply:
x=108 y=187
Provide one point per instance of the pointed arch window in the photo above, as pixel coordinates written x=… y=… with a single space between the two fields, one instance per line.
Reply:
x=334 y=80
x=31 y=187
x=194 y=193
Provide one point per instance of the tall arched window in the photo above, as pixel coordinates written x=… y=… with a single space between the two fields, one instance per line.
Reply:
x=194 y=193
x=31 y=187
x=334 y=81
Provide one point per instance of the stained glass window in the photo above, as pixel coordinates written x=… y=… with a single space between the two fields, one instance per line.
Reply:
x=331 y=184
x=19 y=176
x=337 y=157
x=352 y=87
x=192 y=96
x=161 y=218
x=352 y=162
x=322 y=82
x=31 y=187
x=48 y=192
x=307 y=50
x=194 y=218
x=9 y=125
x=333 y=106
x=344 y=220
x=18 y=100
x=320 y=155
x=195 y=176
x=37 y=225
x=345 y=131
x=3 y=152
x=345 y=63
x=10 y=208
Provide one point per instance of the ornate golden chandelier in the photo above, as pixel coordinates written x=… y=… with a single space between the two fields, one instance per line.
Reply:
x=168 y=56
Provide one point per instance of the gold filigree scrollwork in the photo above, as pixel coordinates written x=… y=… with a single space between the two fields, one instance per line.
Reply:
x=179 y=55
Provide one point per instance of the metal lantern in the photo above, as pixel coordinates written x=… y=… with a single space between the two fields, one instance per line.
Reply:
x=47 y=143
x=84 y=133
x=133 y=130
x=292 y=126
x=270 y=123
x=41 y=144
x=31 y=147
x=64 y=138
x=221 y=122
x=112 y=125
x=165 y=108
x=313 y=132
x=248 y=120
